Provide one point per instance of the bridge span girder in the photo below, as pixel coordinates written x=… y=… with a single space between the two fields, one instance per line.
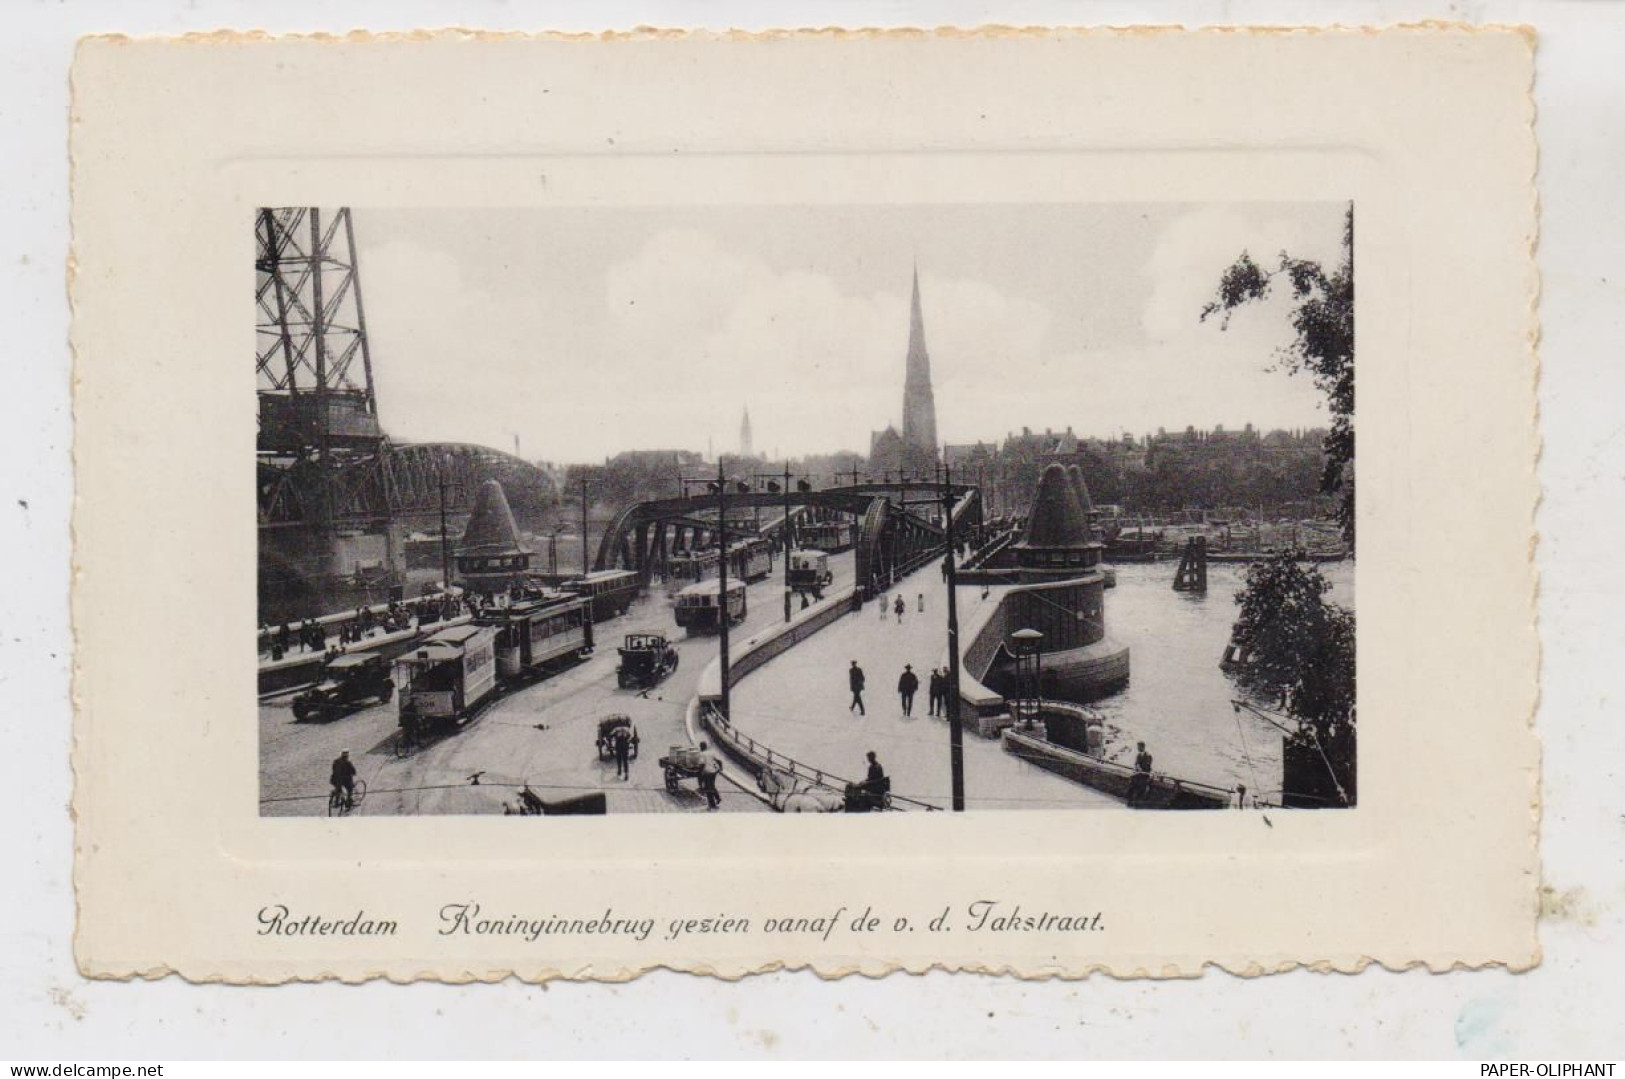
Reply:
x=891 y=540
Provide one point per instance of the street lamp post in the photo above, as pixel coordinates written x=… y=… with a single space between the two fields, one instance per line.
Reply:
x=1027 y=646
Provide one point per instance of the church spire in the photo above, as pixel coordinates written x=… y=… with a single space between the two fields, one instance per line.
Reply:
x=746 y=449
x=919 y=404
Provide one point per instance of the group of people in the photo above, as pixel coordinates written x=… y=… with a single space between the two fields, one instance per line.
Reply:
x=899 y=606
x=908 y=684
x=310 y=635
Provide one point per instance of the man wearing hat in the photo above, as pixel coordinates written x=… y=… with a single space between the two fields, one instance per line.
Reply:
x=906 y=685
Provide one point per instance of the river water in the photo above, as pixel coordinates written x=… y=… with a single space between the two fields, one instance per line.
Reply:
x=1178 y=700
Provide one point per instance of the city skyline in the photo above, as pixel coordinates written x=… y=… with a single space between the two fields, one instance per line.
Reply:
x=1038 y=316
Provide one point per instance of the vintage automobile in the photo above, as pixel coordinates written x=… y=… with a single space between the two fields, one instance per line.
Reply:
x=346 y=681
x=809 y=572
x=606 y=736
x=646 y=658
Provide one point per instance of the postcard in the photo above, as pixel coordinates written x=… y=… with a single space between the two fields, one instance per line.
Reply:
x=947 y=439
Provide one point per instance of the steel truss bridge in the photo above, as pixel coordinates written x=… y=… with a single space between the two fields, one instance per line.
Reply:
x=893 y=535
x=397 y=484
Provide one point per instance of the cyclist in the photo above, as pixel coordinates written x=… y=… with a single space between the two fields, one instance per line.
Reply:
x=343 y=778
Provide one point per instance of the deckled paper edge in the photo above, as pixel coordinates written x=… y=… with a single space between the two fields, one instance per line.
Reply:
x=868 y=968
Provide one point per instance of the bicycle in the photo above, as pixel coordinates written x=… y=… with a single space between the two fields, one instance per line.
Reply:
x=340 y=806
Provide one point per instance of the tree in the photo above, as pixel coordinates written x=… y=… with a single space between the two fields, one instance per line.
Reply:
x=1300 y=648
x=1323 y=321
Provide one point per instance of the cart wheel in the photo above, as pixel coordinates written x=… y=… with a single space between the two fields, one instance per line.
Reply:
x=671 y=780
x=359 y=794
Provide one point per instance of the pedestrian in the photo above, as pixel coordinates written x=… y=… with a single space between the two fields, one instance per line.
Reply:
x=855 y=679
x=906 y=686
x=875 y=781
x=922 y=602
x=710 y=767
x=1140 y=785
x=621 y=742
x=899 y=607
x=936 y=693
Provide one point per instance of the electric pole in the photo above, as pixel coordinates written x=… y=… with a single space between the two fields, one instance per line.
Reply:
x=956 y=726
x=584 y=566
x=445 y=538
x=722 y=586
x=784 y=533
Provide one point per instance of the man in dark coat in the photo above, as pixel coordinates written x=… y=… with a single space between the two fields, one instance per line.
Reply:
x=620 y=741
x=342 y=777
x=906 y=685
x=854 y=678
x=1139 y=785
x=936 y=693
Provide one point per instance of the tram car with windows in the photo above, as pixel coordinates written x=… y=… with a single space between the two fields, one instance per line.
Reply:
x=447 y=679
x=535 y=633
x=810 y=572
x=750 y=559
x=608 y=592
x=830 y=536
x=699 y=606
x=691 y=567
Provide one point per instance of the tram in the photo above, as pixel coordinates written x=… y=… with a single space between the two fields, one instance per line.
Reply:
x=532 y=634
x=750 y=559
x=692 y=567
x=447 y=679
x=698 y=610
x=609 y=592
x=830 y=536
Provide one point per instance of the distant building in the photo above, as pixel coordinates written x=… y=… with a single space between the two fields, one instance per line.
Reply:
x=746 y=447
x=914 y=448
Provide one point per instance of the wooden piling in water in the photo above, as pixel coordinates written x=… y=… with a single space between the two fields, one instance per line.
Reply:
x=1192 y=573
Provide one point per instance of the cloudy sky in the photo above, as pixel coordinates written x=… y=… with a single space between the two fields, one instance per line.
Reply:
x=590 y=331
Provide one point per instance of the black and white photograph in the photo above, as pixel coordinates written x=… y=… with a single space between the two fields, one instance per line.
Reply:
x=805 y=509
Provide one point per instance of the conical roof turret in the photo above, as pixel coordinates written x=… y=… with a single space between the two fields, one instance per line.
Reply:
x=1056 y=519
x=1081 y=489
x=491 y=527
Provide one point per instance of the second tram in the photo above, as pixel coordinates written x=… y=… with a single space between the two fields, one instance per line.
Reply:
x=699 y=606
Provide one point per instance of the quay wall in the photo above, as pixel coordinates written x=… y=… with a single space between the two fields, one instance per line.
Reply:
x=297 y=671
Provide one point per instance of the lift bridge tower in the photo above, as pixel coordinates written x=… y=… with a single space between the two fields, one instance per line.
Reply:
x=325 y=521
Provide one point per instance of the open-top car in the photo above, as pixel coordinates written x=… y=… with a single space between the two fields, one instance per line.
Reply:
x=347 y=680
x=646 y=658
